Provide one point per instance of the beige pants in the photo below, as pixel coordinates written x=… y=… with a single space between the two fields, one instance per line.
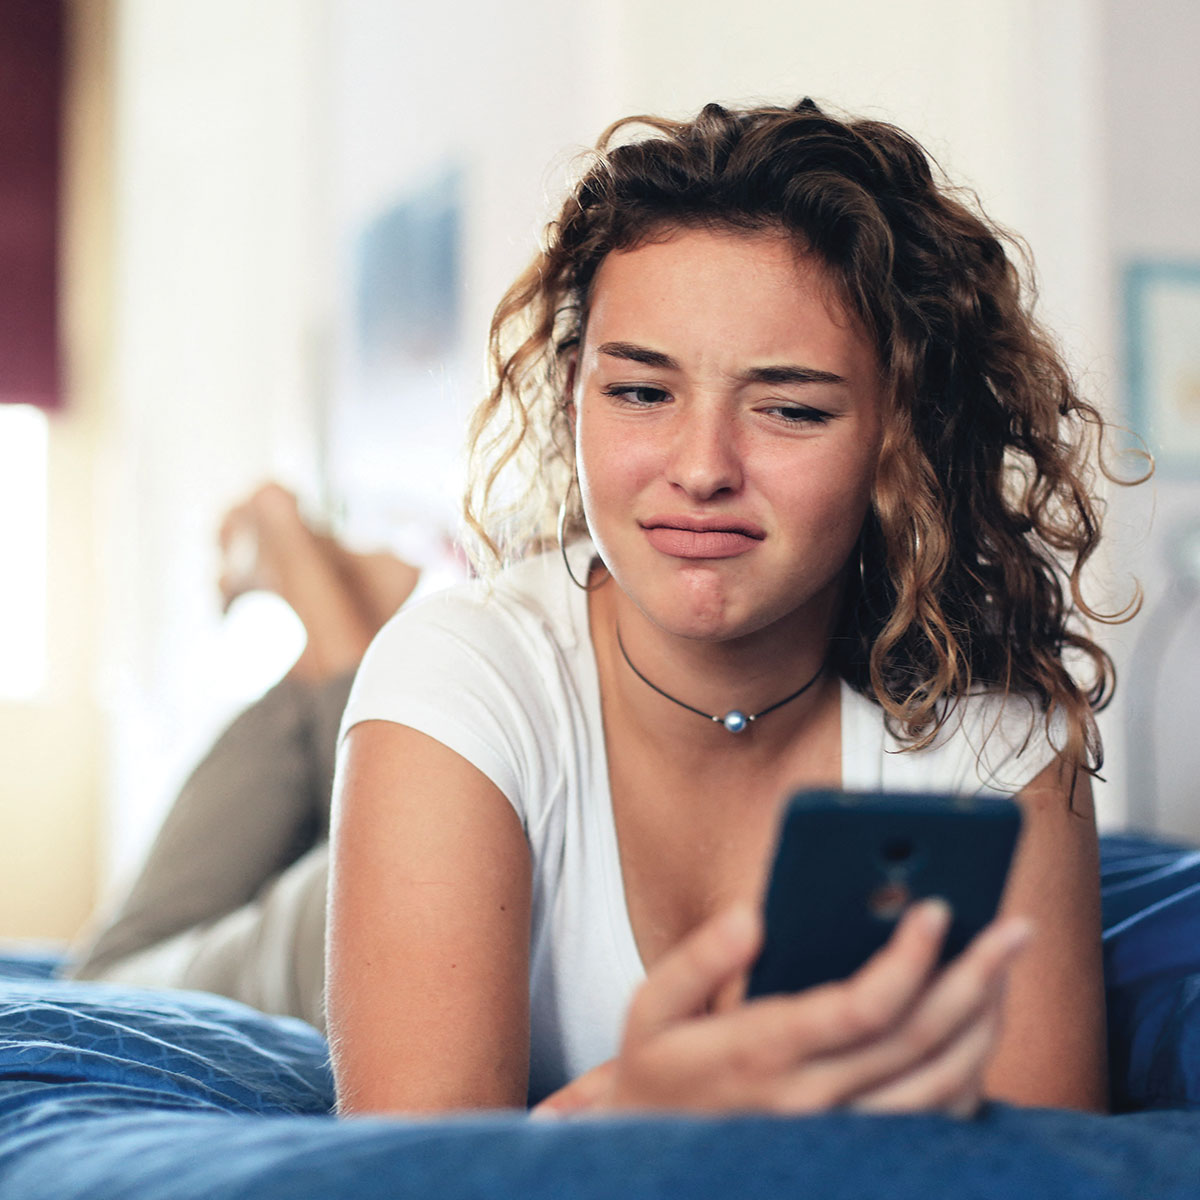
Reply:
x=231 y=898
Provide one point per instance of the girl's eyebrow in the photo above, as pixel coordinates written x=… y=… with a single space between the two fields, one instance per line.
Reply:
x=639 y=354
x=774 y=374
x=791 y=374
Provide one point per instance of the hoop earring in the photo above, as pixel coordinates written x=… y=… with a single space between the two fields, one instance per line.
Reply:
x=562 y=544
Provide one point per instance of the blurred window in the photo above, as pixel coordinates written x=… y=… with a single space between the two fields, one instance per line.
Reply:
x=23 y=530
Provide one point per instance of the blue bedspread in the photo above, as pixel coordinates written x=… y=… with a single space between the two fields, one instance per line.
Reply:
x=70 y=1152
x=113 y=1092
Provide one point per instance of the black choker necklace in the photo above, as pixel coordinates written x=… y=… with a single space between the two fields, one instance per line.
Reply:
x=735 y=720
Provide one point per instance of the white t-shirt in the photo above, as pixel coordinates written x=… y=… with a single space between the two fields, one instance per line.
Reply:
x=506 y=677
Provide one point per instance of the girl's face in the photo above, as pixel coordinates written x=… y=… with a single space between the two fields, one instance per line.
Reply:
x=728 y=419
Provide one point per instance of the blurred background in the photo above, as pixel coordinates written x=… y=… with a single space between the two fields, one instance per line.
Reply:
x=252 y=239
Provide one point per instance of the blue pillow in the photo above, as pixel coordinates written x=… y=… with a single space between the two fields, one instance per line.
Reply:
x=196 y=1050
x=30 y=960
x=1151 y=898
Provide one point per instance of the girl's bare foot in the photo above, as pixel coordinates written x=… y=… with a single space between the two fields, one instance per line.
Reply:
x=267 y=546
x=254 y=538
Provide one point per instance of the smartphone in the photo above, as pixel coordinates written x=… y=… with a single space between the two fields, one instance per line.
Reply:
x=848 y=864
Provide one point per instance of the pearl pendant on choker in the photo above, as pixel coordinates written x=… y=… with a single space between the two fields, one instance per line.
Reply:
x=735 y=721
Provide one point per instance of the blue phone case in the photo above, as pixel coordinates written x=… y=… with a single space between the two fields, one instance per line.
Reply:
x=848 y=863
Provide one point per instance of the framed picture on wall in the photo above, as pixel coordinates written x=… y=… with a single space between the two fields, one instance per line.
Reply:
x=1162 y=329
x=399 y=411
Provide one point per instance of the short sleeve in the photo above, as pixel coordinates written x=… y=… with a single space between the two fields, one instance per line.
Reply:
x=1009 y=742
x=468 y=672
x=990 y=743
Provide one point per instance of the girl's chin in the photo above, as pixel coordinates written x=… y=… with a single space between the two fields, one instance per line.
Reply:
x=698 y=623
x=706 y=604
x=734 y=622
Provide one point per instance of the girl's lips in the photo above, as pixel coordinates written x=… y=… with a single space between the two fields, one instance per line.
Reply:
x=699 y=543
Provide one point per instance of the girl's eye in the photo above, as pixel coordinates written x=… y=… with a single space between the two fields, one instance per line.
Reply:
x=641 y=397
x=798 y=414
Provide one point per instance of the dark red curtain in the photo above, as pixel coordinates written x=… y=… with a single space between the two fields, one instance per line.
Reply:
x=31 y=85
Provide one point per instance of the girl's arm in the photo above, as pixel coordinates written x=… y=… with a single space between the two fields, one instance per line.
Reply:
x=428 y=953
x=1052 y=1050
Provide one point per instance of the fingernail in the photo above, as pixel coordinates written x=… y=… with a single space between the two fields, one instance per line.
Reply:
x=1014 y=933
x=739 y=924
x=934 y=915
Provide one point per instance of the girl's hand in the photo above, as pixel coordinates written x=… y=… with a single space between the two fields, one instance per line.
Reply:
x=585 y=1094
x=899 y=1035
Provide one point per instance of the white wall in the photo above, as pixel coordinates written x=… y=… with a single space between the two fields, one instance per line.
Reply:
x=1150 y=107
x=253 y=139
x=218 y=255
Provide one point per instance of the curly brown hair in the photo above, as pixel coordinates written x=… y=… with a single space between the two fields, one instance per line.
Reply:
x=983 y=515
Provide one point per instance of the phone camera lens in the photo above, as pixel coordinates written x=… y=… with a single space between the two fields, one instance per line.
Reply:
x=897 y=850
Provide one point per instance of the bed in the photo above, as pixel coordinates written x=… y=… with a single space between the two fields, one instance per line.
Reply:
x=115 y=1092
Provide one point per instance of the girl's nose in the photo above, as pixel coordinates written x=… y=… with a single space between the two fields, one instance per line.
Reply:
x=705 y=459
